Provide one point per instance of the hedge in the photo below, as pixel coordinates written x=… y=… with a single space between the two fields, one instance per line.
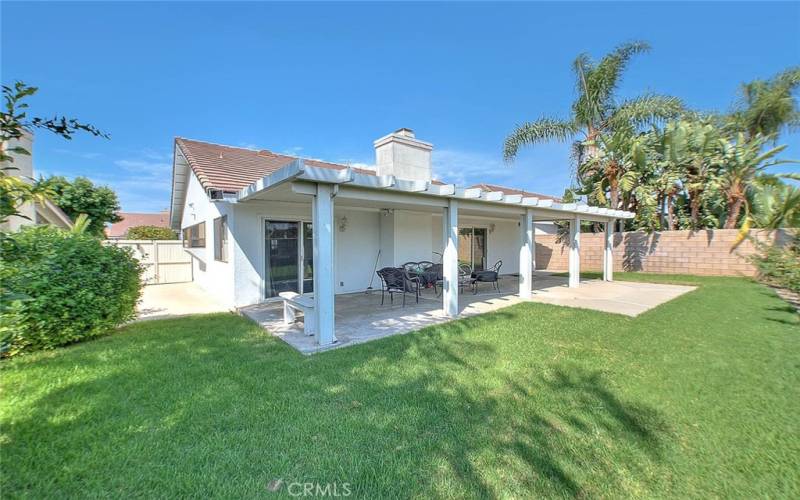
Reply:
x=151 y=233
x=58 y=288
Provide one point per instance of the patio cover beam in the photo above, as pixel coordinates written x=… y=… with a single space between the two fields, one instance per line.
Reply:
x=373 y=187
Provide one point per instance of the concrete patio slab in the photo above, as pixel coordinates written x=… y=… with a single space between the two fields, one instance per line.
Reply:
x=176 y=299
x=618 y=297
x=360 y=317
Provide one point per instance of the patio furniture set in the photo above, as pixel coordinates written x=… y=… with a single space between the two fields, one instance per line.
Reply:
x=411 y=277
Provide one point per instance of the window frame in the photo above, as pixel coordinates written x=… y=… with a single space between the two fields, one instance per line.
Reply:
x=221 y=239
x=194 y=236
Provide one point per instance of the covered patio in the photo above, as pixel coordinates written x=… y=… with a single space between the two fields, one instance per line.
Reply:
x=360 y=317
x=342 y=318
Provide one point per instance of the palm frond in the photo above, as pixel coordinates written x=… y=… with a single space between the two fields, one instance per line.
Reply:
x=795 y=176
x=767 y=106
x=585 y=109
x=605 y=77
x=81 y=224
x=648 y=109
x=542 y=130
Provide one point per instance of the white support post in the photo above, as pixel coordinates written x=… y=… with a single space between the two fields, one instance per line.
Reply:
x=322 y=218
x=450 y=259
x=533 y=244
x=526 y=255
x=574 y=252
x=608 y=252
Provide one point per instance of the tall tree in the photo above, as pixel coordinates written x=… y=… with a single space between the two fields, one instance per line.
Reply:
x=767 y=107
x=81 y=196
x=689 y=150
x=776 y=206
x=14 y=121
x=596 y=111
x=743 y=161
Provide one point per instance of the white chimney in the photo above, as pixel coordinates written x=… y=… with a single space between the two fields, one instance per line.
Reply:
x=404 y=156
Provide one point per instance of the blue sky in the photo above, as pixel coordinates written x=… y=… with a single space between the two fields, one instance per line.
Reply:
x=325 y=80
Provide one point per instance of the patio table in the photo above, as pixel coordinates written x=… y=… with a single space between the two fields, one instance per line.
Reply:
x=426 y=278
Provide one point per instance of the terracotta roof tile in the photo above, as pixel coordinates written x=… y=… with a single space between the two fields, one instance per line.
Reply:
x=130 y=219
x=230 y=169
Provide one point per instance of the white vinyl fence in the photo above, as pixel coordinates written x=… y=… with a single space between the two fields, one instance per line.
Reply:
x=165 y=260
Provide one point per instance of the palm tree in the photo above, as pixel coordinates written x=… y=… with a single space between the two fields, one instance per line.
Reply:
x=767 y=106
x=743 y=162
x=597 y=111
x=776 y=206
x=81 y=224
x=688 y=149
x=613 y=164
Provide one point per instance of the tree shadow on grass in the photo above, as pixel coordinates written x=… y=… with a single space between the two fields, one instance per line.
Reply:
x=223 y=409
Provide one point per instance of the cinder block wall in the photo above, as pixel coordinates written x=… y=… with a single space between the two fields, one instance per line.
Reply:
x=706 y=252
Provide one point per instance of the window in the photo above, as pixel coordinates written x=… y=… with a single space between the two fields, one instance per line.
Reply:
x=195 y=236
x=472 y=247
x=221 y=238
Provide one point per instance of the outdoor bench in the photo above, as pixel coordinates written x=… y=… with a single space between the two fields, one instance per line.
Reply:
x=293 y=301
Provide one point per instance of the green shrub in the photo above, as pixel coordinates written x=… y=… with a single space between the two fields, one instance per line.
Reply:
x=59 y=287
x=780 y=265
x=151 y=233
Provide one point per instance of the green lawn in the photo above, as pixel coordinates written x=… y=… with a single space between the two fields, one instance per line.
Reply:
x=699 y=397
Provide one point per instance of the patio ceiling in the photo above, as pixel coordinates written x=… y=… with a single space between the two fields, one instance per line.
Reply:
x=356 y=189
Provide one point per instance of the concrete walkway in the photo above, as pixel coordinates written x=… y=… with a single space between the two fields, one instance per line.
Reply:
x=176 y=299
x=360 y=317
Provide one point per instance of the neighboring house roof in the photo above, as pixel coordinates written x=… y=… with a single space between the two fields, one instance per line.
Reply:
x=131 y=219
x=230 y=169
x=508 y=190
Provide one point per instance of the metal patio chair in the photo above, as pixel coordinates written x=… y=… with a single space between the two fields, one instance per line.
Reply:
x=397 y=280
x=491 y=275
x=464 y=279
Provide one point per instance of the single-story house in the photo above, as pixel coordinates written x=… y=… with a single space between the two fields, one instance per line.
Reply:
x=258 y=223
x=119 y=230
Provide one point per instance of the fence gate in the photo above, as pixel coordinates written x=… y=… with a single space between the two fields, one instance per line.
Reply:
x=165 y=261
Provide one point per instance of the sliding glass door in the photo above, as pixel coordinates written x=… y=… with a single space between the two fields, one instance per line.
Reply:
x=307 y=258
x=289 y=257
x=472 y=247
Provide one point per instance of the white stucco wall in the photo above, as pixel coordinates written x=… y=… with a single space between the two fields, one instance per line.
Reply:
x=401 y=236
x=249 y=244
x=214 y=276
x=413 y=237
x=355 y=248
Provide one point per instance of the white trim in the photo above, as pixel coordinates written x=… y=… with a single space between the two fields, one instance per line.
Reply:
x=380 y=188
